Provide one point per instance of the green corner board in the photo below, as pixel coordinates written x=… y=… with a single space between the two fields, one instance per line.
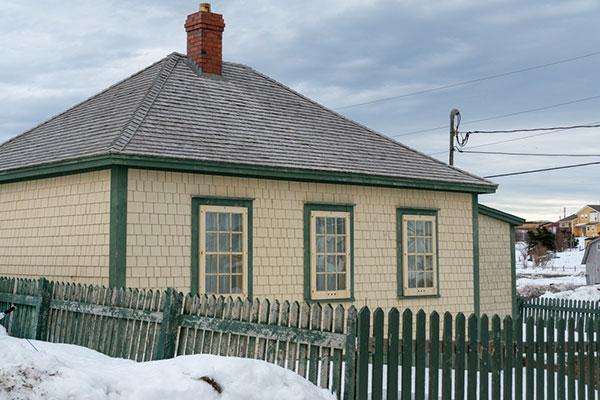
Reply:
x=99 y=162
x=476 y=288
x=118 y=227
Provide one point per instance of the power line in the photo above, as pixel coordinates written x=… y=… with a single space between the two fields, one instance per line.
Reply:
x=542 y=170
x=469 y=81
x=563 y=128
x=509 y=140
x=528 y=154
x=501 y=116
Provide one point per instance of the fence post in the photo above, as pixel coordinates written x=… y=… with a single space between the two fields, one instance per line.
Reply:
x=42 y=310
x=167 y=336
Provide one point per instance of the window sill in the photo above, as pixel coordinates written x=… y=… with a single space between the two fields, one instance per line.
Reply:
x=419 y=296
x=331 y=300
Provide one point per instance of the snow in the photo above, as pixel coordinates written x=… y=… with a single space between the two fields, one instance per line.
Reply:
x=60 y=371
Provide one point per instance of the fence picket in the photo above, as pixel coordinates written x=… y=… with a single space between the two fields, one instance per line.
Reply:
x=326 y=351
x=550 y=358
x=420 y=356
x=459 y=369
x=539 y=359
x=236 y=315
x=209 y=312
x=216 y=336
x=581 y=357
x=571 y=359
x=484 y=375
x=447 y=358
x=293 y=347
x=529 y=367
x=303 y=348
x=407 y=355
x=590 y=358
x=272 y=344
x=362 y=370
x=393 y=354
x=315 y=324
x=284 y=321
x=560 y=360
x=434 y=355
x=336 y=372
x=508 y=358
x=226 y=337
x=377 y=366
x=472 y=357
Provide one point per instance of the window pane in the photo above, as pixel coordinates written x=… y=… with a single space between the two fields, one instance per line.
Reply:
x=427 y=245
x=211 y=263
x=341 y=263
x=412 y=279
x=341 y=279
x=420 y=228
x=237 y=264
x=412 y=265
x=320 y=244
x=331 y=281
x=420 y=279
x=320 y=225
x=211 y=284
x=341 y=225
x=211 y=221
x=224 y=242
x=331 y=244
x=236 y=284
x=330 y=263
x=330 y=226
x=420 y=263
x=224 y=221
x=321 y=263
x=420 y=246
x=410 y=228
x=236 y=242
x=321 y=282
x=236 y=222
x=410 y=245
x=224 y=284
x=341 y=244
x=211 y=242
x=429 y=263
x=428 y=226
x=428 y=279
x=224 y=264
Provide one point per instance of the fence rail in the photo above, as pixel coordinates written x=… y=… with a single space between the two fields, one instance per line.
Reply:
x=356 y=355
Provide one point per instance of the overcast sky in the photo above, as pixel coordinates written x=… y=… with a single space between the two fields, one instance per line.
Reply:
x=55 y=54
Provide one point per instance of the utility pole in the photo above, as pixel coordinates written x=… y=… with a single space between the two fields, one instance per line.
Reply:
x=453 y=115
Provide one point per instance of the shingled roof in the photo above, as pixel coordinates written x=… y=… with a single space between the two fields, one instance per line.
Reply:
x=171 y=111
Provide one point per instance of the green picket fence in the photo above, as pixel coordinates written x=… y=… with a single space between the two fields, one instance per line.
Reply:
x=357 y=355
x=558 y=308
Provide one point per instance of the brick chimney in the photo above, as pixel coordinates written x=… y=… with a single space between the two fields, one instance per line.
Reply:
x=204 y=37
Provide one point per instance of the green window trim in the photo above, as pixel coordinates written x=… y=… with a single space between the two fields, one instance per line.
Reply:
x=332 y=207
x=400 y=213
x=197 y=202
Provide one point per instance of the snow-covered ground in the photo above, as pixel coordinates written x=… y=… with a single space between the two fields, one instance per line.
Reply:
x=562 y=278
x=60 y=371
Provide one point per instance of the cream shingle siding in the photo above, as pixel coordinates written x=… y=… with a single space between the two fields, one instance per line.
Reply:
x=495 y=274
x=159 y=235
x=56 y=227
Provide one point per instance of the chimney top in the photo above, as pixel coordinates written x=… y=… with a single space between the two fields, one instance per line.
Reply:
x=204 y=36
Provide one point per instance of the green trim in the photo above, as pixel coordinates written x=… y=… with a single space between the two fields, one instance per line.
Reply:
x=117 y=258
x=242 y=170
x=500 y=215
x=476 y=288
x=400 y=212
x=308 y=207
x=198 y=201
x=513 y=270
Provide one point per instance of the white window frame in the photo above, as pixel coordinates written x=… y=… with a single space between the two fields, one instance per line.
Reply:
x=202 y=246
x=406 y=290
x=326 y=294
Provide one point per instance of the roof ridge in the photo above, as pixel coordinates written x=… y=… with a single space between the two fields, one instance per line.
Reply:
x=140 y=113
x=81 y=103
x=361 y=125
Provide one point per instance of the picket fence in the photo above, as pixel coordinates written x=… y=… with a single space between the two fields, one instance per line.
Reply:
x=357 y=355
x=558 y=308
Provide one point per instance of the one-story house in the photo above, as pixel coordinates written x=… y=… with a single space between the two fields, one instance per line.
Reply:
x=211 y=177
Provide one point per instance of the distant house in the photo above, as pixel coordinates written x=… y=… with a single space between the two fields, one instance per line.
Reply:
x=566 y=224
x=528 y=226
x=211 y=177
x=586 y=224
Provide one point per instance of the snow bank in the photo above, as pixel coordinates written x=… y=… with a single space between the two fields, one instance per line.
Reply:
x=61 y=371
x=587 y=293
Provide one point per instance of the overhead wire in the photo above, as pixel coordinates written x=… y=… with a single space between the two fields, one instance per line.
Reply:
x=502 y=153
x=469 y=81
x=542 y=170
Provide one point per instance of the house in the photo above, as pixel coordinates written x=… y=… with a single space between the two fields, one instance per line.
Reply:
x=566 y=224
x=211 y=177
x=528 y=226
x=591 y=259
x=586 y=224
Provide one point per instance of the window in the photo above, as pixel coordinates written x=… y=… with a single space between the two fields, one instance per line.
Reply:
x=594 y=217
x=222 y=246
x=417 y=252
x=328 y=252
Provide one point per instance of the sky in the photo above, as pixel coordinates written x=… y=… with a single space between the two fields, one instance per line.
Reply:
x=341 y=53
